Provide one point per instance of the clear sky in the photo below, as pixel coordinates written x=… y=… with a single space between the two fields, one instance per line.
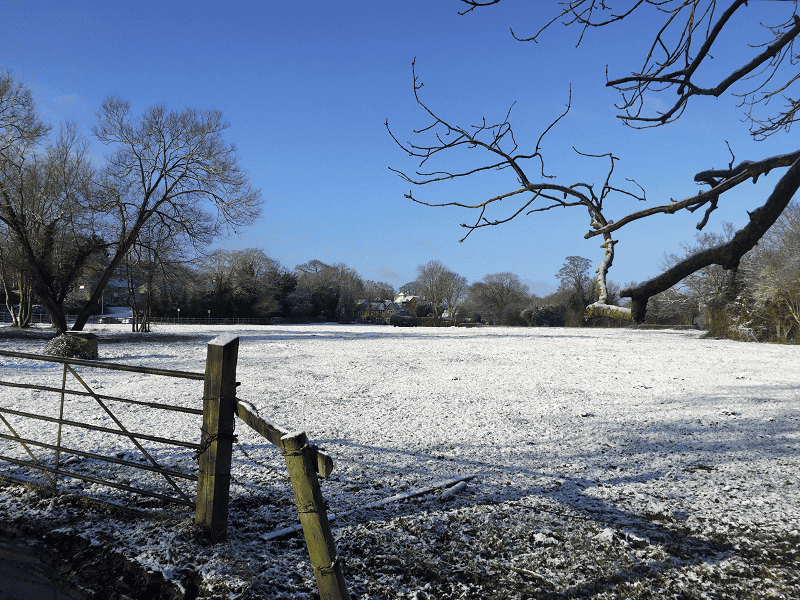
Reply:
x=307 y=85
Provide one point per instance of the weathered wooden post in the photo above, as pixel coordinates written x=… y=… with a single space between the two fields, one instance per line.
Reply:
x=301 y=462
x=216 y=441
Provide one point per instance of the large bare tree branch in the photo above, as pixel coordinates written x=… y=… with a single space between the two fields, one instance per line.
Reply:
x=488 y=137
x=491 y=139
x=721 y=180
x=674 y=57
x=726 y=255
x=639 y=83
x=473 y=4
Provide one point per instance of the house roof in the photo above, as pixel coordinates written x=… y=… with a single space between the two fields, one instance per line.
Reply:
x=401 y=299
x=379 y=306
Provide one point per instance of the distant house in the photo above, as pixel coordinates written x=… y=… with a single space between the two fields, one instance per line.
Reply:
x=377 y=312
x=407 y=303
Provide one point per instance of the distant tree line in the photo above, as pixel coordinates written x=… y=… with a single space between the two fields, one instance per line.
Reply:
x=502 y=298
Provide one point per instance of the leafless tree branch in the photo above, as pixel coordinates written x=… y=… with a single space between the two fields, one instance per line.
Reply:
x=726 y=255
x=683 y=43
x=473 y=4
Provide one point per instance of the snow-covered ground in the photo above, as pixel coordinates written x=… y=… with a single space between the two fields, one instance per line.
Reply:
x=610 y=463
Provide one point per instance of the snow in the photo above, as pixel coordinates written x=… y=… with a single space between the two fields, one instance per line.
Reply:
x=610 y=462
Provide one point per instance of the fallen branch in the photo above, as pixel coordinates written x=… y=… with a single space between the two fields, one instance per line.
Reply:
x=287 y=531
x=531 y=574
x=450 y=493
x=606 y=310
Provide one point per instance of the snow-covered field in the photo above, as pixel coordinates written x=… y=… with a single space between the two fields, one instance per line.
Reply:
x=607 y=463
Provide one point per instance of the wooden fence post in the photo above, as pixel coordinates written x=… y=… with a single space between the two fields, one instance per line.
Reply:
x=301 y=464
x=216 y=441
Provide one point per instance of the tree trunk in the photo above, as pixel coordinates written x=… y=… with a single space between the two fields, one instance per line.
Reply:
x=7 y=292
x=25 y=302
x=122 y=251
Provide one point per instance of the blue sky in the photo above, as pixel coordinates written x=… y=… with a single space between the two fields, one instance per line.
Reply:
x=307 y=86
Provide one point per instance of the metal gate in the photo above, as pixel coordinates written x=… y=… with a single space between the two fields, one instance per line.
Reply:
x=48 y=455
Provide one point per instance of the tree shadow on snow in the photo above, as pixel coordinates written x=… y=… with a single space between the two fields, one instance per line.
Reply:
x=509 y=485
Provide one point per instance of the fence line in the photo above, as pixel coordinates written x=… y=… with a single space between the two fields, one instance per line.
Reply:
x=43 y=319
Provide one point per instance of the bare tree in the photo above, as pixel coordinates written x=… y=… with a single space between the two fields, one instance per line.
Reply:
x=16 y=283
x=685 y=36
x=334 y=289
x=217 y=273
x=244 y=282
x=321 y=294
x=440 y=286
x=155 y=258
x=165 y=166
x=454 y=291
x=351 y=289
x=574 y=278
x=500 y=294
x=252 y=269
x=20 y=127
x=378 y=291
x=46 y=197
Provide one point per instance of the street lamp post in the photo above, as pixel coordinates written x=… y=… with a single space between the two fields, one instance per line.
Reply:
x=209 y=316
x=179 y=316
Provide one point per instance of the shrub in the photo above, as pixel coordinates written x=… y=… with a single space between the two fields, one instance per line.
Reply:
x=67 y=346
